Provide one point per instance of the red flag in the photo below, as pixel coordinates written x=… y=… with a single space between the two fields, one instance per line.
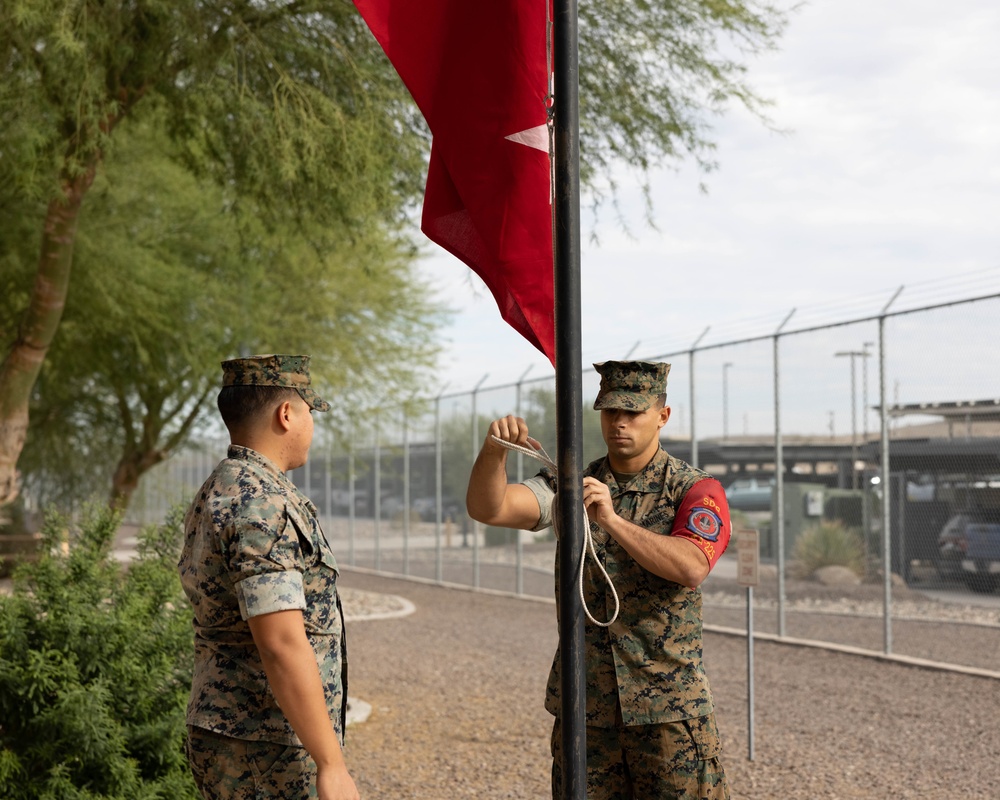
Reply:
x=478 y=71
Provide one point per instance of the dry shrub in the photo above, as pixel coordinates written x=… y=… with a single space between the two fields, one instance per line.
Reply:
x=830 y=543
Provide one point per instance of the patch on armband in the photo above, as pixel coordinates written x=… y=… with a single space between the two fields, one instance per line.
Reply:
x=705 y=523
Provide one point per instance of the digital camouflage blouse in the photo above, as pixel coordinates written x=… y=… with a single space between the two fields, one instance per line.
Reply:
x=253 y=545
x=649 y=661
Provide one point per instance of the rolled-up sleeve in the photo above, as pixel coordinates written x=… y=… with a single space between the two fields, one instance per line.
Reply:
x=266 y=563
x=540 y=487
x=270 y=592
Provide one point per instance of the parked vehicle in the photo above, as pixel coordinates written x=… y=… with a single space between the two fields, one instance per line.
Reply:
x=969 y=549
x=750 y=494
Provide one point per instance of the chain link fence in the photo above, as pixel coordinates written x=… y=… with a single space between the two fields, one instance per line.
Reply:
x=882 y=530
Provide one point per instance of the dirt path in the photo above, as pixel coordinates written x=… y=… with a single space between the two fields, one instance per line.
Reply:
x=456 y=691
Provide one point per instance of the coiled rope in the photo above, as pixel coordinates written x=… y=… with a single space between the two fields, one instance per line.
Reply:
x=588 y=539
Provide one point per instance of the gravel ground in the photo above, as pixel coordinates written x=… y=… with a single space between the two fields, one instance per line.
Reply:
x=456 y=691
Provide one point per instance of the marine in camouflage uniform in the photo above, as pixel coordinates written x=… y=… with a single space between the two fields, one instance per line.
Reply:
x=254 y=546
x=651 y=729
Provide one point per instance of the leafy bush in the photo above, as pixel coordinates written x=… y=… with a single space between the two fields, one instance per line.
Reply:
x=826 y=544
x=95 y=669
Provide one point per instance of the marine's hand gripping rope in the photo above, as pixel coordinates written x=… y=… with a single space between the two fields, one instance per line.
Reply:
x=588 y=539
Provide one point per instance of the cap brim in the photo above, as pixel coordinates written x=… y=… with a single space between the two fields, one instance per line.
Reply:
x=627 y=401
x=313 y=400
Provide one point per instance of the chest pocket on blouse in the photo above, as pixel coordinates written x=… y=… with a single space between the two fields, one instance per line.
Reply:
x=312 y=542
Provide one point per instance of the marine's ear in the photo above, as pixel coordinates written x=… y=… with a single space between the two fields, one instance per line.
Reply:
x=282 y=415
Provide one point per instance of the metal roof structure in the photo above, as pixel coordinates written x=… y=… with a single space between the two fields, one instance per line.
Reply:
x=934 y=456
x=965 y=410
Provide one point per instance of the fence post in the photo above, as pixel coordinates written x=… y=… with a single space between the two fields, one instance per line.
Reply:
x=437 y=484
x=406 y=492
x=378 y=495
x=308 y=478
x=475 y=452
x=694 y=437
x=779 y=481
x=886 y=483
x=519 y=550
x=865 y=480
x=350 y=490
x=327 y=481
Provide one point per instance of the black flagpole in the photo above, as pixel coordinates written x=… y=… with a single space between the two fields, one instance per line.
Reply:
x=569 y=395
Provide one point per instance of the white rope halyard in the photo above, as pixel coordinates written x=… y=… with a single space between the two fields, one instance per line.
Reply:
x=588 y=539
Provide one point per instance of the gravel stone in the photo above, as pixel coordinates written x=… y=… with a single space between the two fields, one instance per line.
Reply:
x=456 y=690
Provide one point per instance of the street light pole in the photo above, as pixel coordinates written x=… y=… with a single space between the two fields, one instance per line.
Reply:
x=852 y=354
x=725 y=400
x=864 y=390
x=866 y=486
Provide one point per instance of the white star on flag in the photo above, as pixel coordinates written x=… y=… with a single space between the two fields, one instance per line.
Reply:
x=537 y=137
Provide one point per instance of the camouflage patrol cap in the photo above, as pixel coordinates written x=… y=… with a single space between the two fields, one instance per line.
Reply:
x=631 y=385
x=291 y=372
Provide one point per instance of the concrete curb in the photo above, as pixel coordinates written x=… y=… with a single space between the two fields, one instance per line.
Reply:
x=910 y=661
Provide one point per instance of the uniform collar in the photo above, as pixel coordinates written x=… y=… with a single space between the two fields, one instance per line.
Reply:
x=241 y=453
x=649 y=479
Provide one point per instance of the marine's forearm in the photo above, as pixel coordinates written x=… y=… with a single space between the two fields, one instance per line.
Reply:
x=670 y=557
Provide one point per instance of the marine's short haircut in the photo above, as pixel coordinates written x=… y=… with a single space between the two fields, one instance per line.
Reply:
x=661 y=401
x=241 y=405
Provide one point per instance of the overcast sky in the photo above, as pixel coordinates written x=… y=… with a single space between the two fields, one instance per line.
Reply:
x=888 y=175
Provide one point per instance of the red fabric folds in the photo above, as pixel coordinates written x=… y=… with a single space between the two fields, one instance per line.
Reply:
x=477 y=70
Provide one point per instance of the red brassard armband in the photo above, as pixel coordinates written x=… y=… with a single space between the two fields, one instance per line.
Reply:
x=703 y=519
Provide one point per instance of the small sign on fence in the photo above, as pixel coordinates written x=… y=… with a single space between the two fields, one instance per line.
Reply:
x=748 y=557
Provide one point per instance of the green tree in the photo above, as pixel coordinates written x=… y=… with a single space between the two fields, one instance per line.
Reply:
x=286 y=103
x=652 y=75
x=168 y=283
x=95 y=669
x=295 y=106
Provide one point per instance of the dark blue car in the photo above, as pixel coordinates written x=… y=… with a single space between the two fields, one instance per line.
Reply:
x=969 y=548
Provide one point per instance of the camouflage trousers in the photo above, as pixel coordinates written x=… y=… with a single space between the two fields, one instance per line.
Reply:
x=670 y=761
x=240 y=769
